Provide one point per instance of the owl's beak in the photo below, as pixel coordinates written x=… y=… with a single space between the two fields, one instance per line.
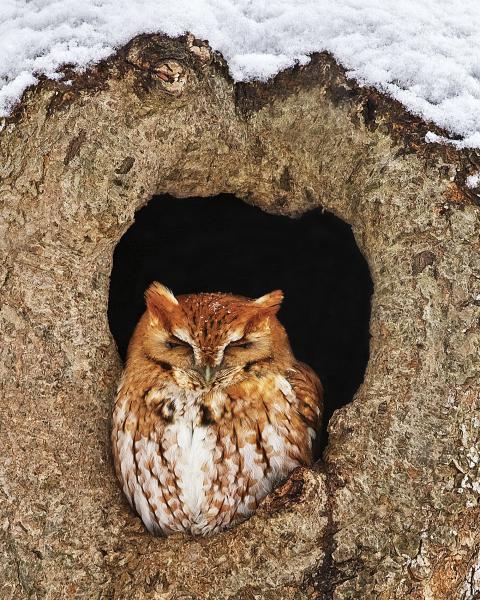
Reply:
x=207 y=372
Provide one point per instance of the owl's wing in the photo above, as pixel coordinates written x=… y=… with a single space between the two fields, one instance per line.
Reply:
x=309 y=392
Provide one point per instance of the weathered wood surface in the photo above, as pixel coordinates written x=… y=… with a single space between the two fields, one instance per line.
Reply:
x=393 y=512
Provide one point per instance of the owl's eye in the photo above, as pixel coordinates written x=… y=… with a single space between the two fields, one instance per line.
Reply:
x=240 y=344
x=175 y=342
x=171 y=345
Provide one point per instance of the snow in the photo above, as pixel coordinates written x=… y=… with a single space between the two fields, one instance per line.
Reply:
x=473 y=181
x=424 y=53
x=472 y=141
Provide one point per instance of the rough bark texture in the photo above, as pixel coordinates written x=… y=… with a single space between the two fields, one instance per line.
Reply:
x=393 y=510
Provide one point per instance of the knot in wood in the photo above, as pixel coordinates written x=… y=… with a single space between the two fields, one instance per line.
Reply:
x=158 y=64
x=288 y=494
x=172 y=75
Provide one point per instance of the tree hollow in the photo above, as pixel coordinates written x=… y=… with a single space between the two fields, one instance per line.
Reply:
x=393 y=512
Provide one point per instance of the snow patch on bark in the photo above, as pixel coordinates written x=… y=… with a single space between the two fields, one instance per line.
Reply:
x=473 y=181
x=423 y=54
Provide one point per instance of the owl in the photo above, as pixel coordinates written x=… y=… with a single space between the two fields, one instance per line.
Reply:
x=212 y=410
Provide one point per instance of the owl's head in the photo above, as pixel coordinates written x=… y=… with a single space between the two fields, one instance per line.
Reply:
x=214 y=337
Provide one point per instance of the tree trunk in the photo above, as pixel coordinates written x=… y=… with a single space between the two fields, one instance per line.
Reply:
x=393 y=509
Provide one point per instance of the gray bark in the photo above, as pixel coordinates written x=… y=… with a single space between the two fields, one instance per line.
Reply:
x=393 y=510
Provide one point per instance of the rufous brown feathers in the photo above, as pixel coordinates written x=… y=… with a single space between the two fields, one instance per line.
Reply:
x=161 y=303
x=271 y=302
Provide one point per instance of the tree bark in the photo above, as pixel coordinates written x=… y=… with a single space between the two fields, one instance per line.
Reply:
x=393 y=509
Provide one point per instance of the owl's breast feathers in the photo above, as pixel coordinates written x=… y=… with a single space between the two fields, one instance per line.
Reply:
x=199 y=461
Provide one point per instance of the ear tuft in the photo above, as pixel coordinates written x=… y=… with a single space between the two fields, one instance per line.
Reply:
x=270 y=302
x=160 y=301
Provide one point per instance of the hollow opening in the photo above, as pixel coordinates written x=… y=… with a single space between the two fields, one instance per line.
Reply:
x=222 y=244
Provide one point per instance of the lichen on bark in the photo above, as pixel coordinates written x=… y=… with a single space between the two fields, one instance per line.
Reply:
x=393 y=509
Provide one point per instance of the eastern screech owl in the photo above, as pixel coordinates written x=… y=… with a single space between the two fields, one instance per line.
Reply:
x=212 y=410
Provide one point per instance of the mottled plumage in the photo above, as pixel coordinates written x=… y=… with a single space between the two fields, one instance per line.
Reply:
x=212 y=410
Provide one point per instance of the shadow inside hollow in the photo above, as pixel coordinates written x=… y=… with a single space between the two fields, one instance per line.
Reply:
x=222 y=244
